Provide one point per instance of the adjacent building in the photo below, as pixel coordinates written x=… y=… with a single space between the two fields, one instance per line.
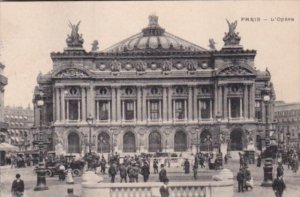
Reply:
x=20 y=122
x=3 y=125
x=154 y=92
x=287 y=116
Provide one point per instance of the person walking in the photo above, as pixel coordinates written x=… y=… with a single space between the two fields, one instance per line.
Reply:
x=278 y=186
x=135 y=170
x=186 y=166
x=225 y=159
x=164 y=190
x=195 y=170
x=112 y=171
x=103 y=165
x=145 y=171
x=258 y=161
x=17 y=188
x=162 y=174
x=61 y=169
x=279 y=170
x=123 y=173
x=240 y=178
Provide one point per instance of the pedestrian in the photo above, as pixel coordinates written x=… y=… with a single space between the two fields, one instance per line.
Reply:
x=240 y=178
x=61 y=172
x=195 y=169
x=248 y=179
x=17 y=188
x=103 y=165
x=225 y=158
x=145 y=171
x=123 y=173
x=164 y=190
x=130 y=173
x=280 y=170
x=162 y=174
x=155 y=166
x=258 y=161
x=278 y=186
x=135 y=174
x=112 y=171
x=186 y=166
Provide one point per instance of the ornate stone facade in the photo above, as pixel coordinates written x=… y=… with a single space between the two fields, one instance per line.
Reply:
x=154 y=92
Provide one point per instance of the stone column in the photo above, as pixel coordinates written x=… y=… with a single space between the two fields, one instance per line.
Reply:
x=170 y=103
x=91 y=98
x=118 y=105
x=252 y=101
x=113 y=104
x=164 y=106
x=219 y=99
x=67 y=114
x=83 y=103
x=79 y=110
x=144 y=105
x=195 y=103
x=263 y=111
x=97 y=110
x=241 y=108
x=225 y=112
x=210 y=109
x=229 y=108
x=62 y=100
x=190 y=104
x=57 y=104
x=139 y=104
x=185 y=110
x=246 y=101
x=216 y=101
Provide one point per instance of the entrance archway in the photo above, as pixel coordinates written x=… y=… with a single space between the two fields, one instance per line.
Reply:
x=180 y=141
x=129 y=142
x=236 y=139
x=103 y=143
x=205 y=140
x=154 y=142
x=73 y=143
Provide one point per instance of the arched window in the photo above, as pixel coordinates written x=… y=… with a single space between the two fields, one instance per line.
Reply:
x=103 y=143
x=154 y=142
x=73 y=143
x=128 y=142
x=180 y=141
x=236 y=139
x=205 y=141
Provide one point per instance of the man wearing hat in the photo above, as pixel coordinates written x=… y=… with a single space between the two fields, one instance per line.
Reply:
x=163 y=173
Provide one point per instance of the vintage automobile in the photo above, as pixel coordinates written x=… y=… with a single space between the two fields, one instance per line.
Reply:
x=52 y=167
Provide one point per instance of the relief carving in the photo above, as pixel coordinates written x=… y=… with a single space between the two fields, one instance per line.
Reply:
x=72 y=73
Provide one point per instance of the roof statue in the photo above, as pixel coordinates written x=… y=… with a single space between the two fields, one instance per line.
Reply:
x=212 y=44
x=232 y=38
x=74 y=40
x=95 y=46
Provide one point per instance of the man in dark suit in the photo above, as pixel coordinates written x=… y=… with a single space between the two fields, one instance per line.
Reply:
x=17 y=187
x=163 y=174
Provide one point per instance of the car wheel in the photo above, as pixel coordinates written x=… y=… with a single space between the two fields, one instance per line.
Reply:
x=76 y=172
x=49 y=173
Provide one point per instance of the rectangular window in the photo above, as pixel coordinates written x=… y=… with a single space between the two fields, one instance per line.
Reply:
x=73 y=109
x=235 y=107
x=129 y=110
x=103 y=110
x=154 y=110
x=205 y=108
x=179 y=109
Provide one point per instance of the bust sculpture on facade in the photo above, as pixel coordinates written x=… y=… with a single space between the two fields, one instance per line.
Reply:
x=231 y=38
x=95 y=46
x=74 y=40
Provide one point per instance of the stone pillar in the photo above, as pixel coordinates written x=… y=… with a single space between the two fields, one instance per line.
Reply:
x=83 y=103
x=113 y=104
x=144 y=105
x=79 y=110
x=195 y=103
x=91 y=98
x=210 y=109
x=225 y=112
x=62 y=100
x=67 y=114
x=57 y=104
x=97 y=110
x=263 y=111
x=170 y=103
x=219 y=99
x=118 y=105
x=229 y=108
x=246 y=101
x=139 y=104
x=252 y=101
x=165 y=105
x=190 y=104
x=216 y=101
x=241 y=108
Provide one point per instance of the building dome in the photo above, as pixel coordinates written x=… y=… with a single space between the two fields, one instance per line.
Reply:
x=151 y=38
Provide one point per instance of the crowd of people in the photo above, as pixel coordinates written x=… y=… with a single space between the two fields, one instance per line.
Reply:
x=20 y=160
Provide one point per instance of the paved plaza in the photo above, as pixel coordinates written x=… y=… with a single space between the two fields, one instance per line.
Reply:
x=59 y=189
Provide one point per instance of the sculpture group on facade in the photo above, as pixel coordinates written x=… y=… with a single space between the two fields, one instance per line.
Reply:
x=231 y=38
x=74 y=40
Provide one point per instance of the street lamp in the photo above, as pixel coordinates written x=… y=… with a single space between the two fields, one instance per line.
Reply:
x=41 y=171
x=267 y=130
x=219 y=119
x=90 y=120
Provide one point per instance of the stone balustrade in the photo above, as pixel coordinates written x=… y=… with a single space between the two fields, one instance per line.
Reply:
x=151 y=189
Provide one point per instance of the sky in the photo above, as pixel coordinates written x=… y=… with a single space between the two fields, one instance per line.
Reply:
x=29 y=32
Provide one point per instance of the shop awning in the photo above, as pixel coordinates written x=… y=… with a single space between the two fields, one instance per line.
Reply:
x=8 y=147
